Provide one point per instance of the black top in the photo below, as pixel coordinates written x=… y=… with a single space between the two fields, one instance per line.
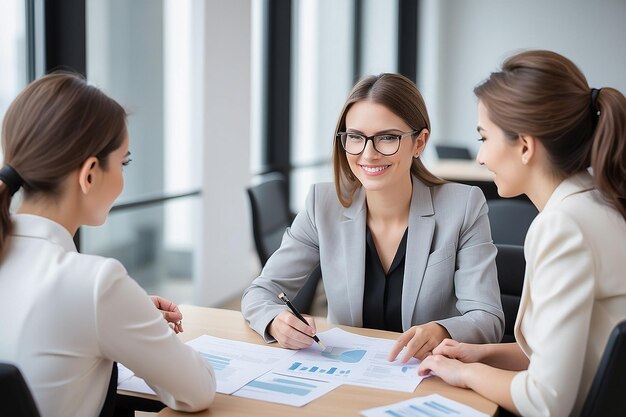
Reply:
x=382 y=298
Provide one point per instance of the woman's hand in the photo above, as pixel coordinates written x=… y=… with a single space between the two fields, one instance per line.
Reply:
x=290 y=332
x=464 y=352
x=450 y=370
x=170 y=312
x=419 y=341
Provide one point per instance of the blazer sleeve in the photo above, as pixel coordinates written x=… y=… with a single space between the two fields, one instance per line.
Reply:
x=132 y=331
x=475 y=279
x=560 y=278
x=285 y=271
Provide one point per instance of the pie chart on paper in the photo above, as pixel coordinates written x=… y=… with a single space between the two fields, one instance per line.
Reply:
x=344 y=354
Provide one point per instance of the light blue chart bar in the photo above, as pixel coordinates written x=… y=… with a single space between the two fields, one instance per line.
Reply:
x=428 y=409
x=218 y=362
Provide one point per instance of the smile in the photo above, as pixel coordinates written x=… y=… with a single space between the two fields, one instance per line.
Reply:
x=374 y=169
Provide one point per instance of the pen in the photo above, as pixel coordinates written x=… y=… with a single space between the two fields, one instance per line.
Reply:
x=296 y=313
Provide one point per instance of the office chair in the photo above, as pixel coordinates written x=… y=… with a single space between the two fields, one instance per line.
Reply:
x=606 y=396
x=15 y=397
x=270 y=217
x=453 y=152
x=510 y=220
x=270 y=213
x=511 y=267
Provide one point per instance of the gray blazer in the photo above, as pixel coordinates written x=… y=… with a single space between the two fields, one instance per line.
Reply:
x=449 y=274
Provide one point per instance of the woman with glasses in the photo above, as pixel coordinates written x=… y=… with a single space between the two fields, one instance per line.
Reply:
x=541 y=128
x=399 y=249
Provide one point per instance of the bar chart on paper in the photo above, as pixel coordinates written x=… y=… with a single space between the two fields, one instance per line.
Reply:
x=333 y=370
x=285 y=389
x=334 y=363
x=236 y=363
x=433 y=405
x=219 y=363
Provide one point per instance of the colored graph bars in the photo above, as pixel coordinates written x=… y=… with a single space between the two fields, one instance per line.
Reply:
x=284 y=386
x=428 y=409
x=297 y=366
x=218 y=362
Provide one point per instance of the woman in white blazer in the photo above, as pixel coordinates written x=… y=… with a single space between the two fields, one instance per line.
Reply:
x=542 y=127
x=69 y=316
x=399 y=249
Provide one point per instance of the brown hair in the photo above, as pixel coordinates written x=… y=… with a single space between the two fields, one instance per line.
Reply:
x=400 y=96
x=544 y=95
x=50 y=129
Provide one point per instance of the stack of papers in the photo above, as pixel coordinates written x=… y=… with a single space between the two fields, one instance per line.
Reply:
x=296 y=377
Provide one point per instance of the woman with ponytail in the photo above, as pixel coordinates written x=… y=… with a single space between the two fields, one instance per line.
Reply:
x=68 y=317
x=548 y=135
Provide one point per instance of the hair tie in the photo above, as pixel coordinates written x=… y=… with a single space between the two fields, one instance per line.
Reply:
x=595 y=92
x=11 y=179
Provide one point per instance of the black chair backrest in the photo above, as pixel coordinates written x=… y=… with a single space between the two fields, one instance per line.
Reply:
x=607 y=395
x=453 y=152
x=270 y=213
x=270 y=217
x=511 y=267
x=510 y=220
x=15 y=397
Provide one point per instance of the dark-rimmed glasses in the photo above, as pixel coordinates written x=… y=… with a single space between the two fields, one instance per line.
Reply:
x=385 y=144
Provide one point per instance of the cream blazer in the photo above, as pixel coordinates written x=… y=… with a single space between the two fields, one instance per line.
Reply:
x=449 y=274
x=574 y=294
x=67 y=316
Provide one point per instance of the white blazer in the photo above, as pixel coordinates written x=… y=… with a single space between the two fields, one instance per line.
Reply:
x=67 y=316
x=574 y=294
x=449 y=273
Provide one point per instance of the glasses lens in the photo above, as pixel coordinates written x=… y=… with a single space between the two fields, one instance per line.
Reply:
x=353 y=143
x=387 y=144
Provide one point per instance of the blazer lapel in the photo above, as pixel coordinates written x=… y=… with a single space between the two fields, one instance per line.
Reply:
x=352 y=235
x=419 y=240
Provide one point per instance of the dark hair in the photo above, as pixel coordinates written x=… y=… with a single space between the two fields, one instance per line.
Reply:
x=50 y=129
x=544 y=95
x=401 y=97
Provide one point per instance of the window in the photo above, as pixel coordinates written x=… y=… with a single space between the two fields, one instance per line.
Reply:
x=146 y=54
x=13 y=51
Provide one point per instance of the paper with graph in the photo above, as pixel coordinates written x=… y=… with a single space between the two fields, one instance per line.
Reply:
x=353 y=359
x=297 y=377
x=286 y=389
x=237 y=363
x=433 y=405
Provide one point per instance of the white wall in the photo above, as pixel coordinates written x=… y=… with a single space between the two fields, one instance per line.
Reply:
x=462 y=42
x=225 y=259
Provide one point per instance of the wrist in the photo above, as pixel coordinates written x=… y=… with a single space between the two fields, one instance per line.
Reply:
x=469 y=373
x=484 y=352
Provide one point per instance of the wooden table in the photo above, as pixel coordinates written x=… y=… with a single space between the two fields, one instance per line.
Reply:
x=346 y=400
x=461 y=170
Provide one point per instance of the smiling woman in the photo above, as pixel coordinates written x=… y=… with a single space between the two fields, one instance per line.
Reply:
x=399 y=248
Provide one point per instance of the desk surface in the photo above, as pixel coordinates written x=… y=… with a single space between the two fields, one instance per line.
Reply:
x=345 y=400
x=461 y=170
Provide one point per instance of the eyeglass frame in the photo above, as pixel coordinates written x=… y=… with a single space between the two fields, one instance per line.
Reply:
x=371 y=138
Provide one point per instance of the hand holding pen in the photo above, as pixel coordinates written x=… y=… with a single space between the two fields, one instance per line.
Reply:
x=292 y=332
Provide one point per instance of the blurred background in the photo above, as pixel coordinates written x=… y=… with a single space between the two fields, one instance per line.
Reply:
x=220 y=92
